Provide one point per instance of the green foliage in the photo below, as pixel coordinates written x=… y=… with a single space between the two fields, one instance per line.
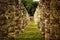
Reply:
x=30 y=6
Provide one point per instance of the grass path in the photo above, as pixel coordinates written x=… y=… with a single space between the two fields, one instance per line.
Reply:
x=31 y=32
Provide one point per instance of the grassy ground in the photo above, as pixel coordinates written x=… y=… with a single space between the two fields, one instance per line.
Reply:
x=31 y=32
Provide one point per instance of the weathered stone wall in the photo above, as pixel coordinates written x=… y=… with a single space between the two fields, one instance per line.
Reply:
x=55 y=20
x=13 y=18
x=49 y=18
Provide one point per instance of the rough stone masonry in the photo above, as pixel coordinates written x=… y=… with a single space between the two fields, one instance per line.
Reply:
x=13 y=18
x=47 y=17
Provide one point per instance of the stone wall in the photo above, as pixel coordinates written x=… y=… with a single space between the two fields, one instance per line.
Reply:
x=55 y=20
x=48 y=20
x=13 y=18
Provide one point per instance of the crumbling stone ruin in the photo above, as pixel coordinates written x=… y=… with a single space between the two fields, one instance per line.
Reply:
x=13 y=18
x=48 y=16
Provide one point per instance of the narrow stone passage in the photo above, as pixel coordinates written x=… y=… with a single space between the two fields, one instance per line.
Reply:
x=31 y=32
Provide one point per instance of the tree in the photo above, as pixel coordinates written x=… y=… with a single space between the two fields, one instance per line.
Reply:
x=30 y=6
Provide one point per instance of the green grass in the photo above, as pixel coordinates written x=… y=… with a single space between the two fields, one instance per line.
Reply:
x=31 y=32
